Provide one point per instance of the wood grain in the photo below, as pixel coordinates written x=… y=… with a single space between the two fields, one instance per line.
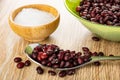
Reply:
x=71 y=34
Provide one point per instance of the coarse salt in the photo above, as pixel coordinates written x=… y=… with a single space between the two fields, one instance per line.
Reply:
x=33 y=17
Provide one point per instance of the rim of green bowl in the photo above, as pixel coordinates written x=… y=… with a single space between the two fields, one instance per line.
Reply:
x=77 y=16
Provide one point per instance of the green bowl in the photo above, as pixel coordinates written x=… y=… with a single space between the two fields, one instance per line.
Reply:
x=111 y=33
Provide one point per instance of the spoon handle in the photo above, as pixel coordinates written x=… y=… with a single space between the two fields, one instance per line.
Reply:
x=100 y=58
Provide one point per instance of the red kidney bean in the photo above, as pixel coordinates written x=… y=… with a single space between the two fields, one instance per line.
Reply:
x=95 y=54
x=67 y=51
x=20 y=65
x=55 y=66
x=95 y=39
x=85 y=49
x=39 y=70
x=44 y=55
x=67 y=64
x=66 y=58
x=49 y=64
x=78 y=54
x=111 y=55
x=62 y=63
x=61 y=55
x=97 y=63
x=75 y=63
x=53 y=73
x=80 y=61
x=55 y=61
x=34 y=55
x=17 y=59
x=27 y=63
x=44 y=62
x=100 y=54
x=62 y=73
x=71 y=72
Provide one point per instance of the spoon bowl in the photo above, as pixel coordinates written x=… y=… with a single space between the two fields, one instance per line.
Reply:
x=30 y=47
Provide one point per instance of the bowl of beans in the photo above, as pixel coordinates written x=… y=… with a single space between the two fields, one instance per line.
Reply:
x=101 y=17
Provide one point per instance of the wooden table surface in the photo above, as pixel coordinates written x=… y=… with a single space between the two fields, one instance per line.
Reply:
x=71 y=34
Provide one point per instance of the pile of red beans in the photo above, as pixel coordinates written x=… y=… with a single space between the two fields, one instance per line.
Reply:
x=52 y=56
x=100 y=11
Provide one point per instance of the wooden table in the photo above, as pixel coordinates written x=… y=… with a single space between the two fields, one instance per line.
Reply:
x=71 y=34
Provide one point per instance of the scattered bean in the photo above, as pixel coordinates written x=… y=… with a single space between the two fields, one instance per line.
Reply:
x=17 y=59
x=53 y=73
x=39 y=70
x=27 y=63
x=20 y=65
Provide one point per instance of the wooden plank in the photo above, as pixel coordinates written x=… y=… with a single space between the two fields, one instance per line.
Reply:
x=71 y=34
